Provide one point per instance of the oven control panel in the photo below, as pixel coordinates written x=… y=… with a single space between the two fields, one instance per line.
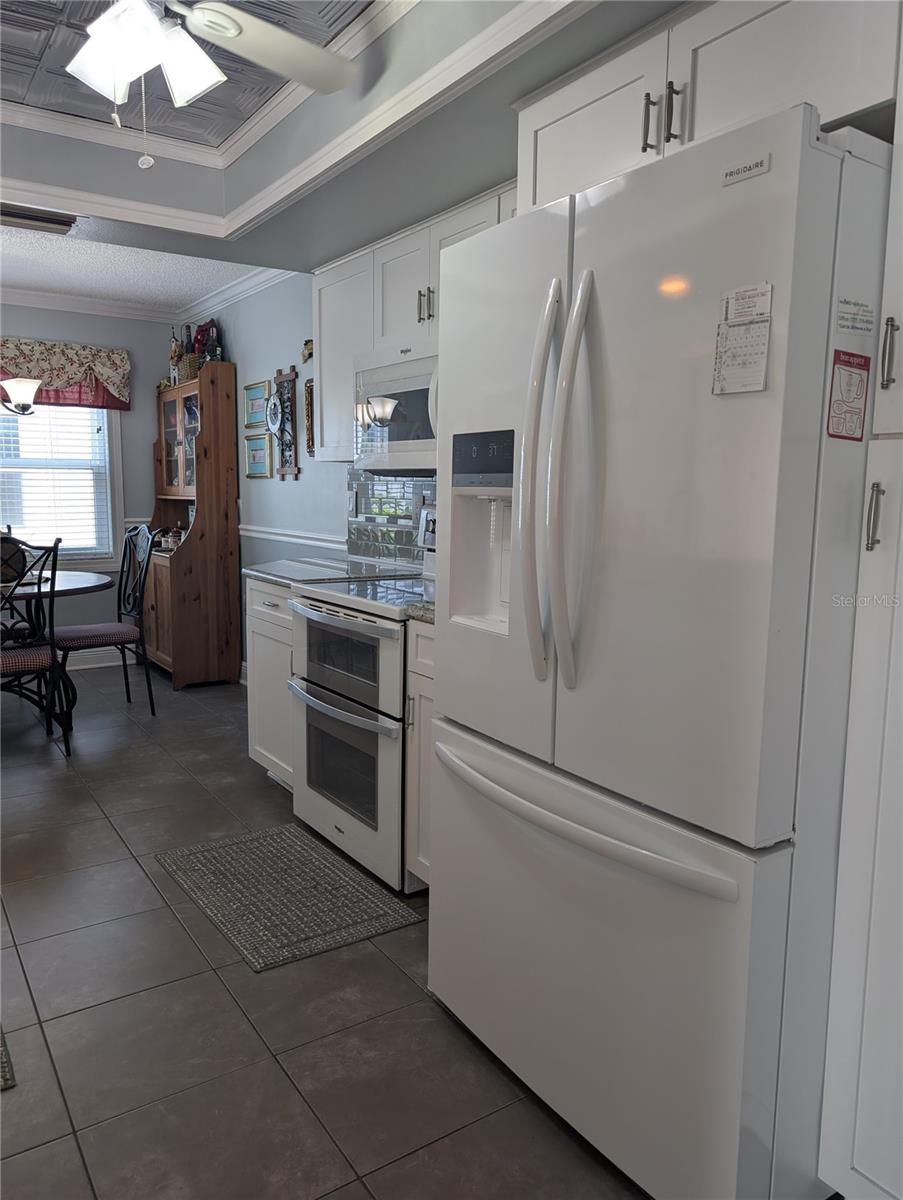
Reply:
x=482 y=460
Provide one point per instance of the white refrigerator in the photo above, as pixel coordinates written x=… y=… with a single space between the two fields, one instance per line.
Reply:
x=656 y=401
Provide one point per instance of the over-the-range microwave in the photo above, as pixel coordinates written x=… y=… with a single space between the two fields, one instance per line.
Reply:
x=395 y=409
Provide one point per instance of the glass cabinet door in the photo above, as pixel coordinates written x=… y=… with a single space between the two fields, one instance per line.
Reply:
x=169 y=420
x=191 y=425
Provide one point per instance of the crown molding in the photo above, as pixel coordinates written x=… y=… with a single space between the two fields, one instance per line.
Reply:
x=365 y=29
x=528 y=23
x=84 y=129
x=231 y=293
x=86 y=304
x=362 y=32
x=91 y=204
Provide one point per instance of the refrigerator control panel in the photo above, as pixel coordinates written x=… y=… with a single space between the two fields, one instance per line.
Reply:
x=483 y=459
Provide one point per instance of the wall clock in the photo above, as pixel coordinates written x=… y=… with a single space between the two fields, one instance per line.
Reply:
x=281 y=422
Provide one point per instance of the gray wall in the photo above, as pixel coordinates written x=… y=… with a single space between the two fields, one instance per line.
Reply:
x=262 y=333
x=148 y=345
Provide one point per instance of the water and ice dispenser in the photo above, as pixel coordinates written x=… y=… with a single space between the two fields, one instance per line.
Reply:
x=480 y=528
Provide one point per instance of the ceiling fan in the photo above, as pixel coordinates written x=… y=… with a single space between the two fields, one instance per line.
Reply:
x=134 y=36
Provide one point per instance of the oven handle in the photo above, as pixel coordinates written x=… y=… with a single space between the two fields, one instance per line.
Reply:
x=361 y=628
x=381 y=725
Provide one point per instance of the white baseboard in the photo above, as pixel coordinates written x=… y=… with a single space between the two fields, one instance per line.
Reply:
x=88 y=660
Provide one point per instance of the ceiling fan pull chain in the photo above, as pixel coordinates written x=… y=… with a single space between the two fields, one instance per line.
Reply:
x=145 y=162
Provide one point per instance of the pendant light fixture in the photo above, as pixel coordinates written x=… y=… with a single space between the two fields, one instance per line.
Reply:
x=20 y=394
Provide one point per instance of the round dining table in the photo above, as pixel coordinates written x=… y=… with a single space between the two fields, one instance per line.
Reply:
x=68 y=583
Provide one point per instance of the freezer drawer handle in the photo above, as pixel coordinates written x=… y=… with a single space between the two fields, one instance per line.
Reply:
x=672 y=91
x=891 y=328
x=558 y=600
x=648 y=105
x=874 y=516
x=526 y=506
x=381 y=725
x=650 y=862
x=347 y=625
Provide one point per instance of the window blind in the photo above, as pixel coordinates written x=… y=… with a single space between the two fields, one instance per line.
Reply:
x=55 y=479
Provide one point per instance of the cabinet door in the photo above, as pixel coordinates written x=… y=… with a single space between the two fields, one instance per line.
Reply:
x=592 y=128
x=889 y=396
x=163 y=611
x=451 y=229
x=400 y=279
x=419 y=749
x=190 y=425
x=171 y=443
x=343 y=327
x=863 y=1102
x=269 y=703
x=735 y=62
x=150 y=610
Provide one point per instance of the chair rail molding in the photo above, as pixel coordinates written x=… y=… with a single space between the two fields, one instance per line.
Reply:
x=326 y=541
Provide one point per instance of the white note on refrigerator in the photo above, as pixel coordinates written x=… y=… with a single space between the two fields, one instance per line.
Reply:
x=741 y=342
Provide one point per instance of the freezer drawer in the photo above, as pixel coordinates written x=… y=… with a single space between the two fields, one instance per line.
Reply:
x=628 y=970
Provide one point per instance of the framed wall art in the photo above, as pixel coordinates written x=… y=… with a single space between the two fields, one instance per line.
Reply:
x=256 y=396
x=258 y=456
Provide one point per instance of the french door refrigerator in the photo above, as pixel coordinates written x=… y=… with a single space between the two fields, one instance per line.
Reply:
x=655 y=405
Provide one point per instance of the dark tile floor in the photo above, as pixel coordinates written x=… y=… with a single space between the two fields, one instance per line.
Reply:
x=152 y=1063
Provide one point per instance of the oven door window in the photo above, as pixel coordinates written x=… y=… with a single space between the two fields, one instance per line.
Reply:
x=343 y=764
x=344 y=662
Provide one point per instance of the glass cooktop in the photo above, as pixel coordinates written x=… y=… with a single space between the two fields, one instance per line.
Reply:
x=385 y=597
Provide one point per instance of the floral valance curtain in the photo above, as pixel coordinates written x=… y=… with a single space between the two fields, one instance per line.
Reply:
x=90 y=376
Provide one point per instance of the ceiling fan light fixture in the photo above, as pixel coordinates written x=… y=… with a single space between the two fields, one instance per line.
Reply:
x=188 y=70
x=97 y=67
x=132 y=34
x=21 y=393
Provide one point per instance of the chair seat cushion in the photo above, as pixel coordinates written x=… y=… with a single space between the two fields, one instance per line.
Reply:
x=19 y=659
x=84 y=637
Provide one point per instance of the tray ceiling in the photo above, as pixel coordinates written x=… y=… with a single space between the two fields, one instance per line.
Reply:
x=39 y=37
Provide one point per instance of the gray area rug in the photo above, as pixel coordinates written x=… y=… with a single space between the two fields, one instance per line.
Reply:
x=279 y=895
x=7 y=1074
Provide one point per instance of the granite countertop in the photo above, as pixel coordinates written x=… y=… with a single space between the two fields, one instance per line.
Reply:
x=422 y=610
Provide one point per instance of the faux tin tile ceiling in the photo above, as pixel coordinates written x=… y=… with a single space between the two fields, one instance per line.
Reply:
x=38 y=38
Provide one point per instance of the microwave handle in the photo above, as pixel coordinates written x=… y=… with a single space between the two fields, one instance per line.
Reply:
x=380 y=725
x=360 y=628
x=432 y=401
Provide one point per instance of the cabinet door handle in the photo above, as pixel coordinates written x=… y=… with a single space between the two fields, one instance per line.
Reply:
x=409 y=713
x=648 y=105
x=874 y=516
x=671 y=91
x=891 y=327
x=269 y=603
x=421 y=296
x=430 y=312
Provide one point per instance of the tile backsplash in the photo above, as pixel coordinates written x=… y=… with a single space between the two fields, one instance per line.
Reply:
x=384 y=515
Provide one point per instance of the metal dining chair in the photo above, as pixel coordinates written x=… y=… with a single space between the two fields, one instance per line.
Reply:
x=127 y=631
x=30 y=664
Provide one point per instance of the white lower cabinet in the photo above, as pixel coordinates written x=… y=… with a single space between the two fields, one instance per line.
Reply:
x=269 y=650
x=418 y=750
x=861 y=1145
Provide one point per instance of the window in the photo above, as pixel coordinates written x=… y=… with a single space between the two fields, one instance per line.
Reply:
x=56 y=479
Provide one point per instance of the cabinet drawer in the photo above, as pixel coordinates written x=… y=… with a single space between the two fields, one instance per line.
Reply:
x=421 y=648
x=269 y=602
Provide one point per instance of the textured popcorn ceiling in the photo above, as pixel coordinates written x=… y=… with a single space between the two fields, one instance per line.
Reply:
x=49 y=262
x=39 y=37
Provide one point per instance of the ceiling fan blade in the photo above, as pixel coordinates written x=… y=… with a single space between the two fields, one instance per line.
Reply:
x=268 y=46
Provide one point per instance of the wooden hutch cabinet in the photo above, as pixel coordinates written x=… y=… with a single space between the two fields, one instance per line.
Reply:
x=192 y=604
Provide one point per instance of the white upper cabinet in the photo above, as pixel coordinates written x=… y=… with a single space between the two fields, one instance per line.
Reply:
x=734 y=62
x=400 y=281
x=594 y=127
x=445 y=232
x=889 y=392
x=343 y=327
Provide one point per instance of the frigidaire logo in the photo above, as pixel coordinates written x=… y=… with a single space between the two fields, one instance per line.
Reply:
x=756 y=166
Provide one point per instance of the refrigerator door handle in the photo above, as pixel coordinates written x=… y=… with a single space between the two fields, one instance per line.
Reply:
x=561 y=623
x=526 y=503
x=432 y=402
x=650 y=862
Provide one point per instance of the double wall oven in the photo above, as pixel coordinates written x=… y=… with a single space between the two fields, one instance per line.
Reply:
x=348 y=688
